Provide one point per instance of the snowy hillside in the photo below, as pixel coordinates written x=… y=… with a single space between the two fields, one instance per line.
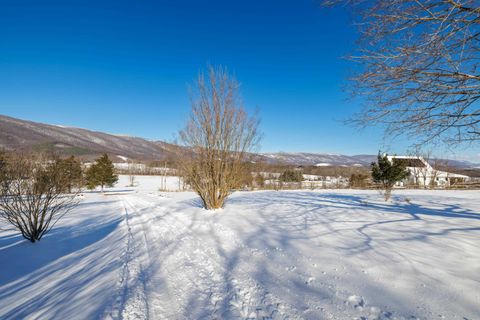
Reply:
x=312 y=159
x=327 y=159
x=20 y=134
x=459 y=164
x=141 y=254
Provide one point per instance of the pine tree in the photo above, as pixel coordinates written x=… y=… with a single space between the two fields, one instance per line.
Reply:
x=291 y=176
x=2 y=160
x=3 y=165
x=387 y=173
x=101 y=173
x=72 y=170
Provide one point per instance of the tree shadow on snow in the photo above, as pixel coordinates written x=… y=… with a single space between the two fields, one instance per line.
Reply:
x=301 y=212
x=25 y=257
x=305 y=211
x=26 y=266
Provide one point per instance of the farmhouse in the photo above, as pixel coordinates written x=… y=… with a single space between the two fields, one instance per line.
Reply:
x=423 y=174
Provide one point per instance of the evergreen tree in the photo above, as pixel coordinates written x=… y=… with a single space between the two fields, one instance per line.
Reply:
x=387 y=173
x=72 y=169
x=3 y=165
x=2 y=160
x=101 y=173
x=260 y=180
x=291 y=176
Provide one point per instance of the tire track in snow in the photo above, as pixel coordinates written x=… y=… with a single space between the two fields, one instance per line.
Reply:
x=186 y=263
x=131 y=301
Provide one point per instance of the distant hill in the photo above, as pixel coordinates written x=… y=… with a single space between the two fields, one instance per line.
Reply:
x=314 y=159
x=326 y=159
x=28 y=135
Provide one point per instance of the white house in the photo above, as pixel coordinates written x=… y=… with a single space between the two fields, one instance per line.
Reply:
x=423 y=174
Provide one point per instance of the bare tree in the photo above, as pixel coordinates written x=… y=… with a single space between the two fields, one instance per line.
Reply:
x=416 y=173
x=421 y=66
x=220 y=134
x=31 y=195
x=424 y=172
x=437 y=164
x=163 y=182
x=131 y=173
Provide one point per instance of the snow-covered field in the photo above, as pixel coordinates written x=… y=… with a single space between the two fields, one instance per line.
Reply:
x=136 y=253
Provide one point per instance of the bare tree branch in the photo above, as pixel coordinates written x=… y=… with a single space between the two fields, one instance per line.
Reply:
x=420 y=74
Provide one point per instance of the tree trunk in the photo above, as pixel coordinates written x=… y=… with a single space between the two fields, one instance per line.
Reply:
x=388 y=193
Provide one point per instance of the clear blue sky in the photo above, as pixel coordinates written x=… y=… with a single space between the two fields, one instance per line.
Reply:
x=123 y=66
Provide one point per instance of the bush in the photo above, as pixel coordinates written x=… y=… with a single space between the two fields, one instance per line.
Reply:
x=291 y=176
x=32 y=195
x=72 y=169
x=358 y=180
x=259 y=180
x=219 y=137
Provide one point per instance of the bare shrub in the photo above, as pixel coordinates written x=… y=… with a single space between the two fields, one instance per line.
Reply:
x=220 y=134
x=32 y=197
x=131 y=173
x=358 y=180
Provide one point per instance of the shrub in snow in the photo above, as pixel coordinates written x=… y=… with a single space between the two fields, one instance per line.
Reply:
x=358 y=180
x=387 y=173
x=32 y=195
x=220 y=135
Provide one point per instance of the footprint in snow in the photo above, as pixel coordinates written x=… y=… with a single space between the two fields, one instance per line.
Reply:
x=355 y=301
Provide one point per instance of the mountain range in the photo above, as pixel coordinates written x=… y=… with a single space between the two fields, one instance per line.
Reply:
x=361 y=160
x=27 y=135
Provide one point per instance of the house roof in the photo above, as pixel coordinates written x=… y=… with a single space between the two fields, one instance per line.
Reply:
x=411 y=162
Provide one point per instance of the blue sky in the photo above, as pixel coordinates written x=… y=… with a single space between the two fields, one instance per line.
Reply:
x=123 y=67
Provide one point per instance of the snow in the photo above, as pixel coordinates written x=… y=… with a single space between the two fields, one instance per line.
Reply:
x=151 y=184
x=127 y=166
x=122 y=157
x=323 y=164
x=138 y=253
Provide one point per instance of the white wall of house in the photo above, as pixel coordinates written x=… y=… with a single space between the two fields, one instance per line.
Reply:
x=426 y=175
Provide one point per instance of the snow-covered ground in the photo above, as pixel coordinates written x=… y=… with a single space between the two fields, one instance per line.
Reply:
x=137 y=253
